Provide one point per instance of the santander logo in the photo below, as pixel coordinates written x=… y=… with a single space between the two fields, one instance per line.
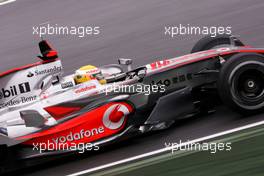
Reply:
x=114 y=116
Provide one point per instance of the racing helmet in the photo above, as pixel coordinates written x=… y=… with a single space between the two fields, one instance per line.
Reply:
x=87 y=73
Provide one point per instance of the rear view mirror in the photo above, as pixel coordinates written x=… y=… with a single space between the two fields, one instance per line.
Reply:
x=127 y=62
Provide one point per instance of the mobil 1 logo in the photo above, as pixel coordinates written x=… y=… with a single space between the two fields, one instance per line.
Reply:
x=15 y=90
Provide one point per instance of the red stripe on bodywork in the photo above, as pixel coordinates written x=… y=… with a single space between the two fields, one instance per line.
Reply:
x=59 y=112
x=24 y=67
x=87 y=123
x=240 y=50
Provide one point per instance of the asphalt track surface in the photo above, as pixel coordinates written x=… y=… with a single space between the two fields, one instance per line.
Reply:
x=130 y=29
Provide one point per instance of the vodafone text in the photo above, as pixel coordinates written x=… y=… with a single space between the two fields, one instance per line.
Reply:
x=79 y=135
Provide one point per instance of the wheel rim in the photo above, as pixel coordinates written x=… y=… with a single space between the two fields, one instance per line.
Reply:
x=247 y=85
x=250 y=85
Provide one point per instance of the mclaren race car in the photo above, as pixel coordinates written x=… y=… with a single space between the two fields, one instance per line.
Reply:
x=43 y=112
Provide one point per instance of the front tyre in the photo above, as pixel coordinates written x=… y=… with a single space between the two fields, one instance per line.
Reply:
x=241 y=83
x=219 y=41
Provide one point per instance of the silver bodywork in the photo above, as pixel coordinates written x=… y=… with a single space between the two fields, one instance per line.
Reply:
x=46 y=83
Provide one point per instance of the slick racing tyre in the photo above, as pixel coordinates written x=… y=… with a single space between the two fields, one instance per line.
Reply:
x=241 y=83
x=209 y=42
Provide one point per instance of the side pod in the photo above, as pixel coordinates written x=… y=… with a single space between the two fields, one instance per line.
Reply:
x=172 y=106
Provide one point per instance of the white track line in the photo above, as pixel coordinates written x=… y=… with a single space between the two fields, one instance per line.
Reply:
x=6 y=2
x=166 y=149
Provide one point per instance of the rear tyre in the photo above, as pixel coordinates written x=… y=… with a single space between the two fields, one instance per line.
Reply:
x=241 y=83
x=209 y=42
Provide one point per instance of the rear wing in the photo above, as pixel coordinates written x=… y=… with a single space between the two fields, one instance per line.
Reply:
x=47 y=53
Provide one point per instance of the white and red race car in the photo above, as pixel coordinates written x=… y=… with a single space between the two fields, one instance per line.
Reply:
x=38 y=106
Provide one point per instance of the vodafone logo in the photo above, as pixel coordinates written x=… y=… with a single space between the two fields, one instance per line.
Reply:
x=84 y=89
x=114 y=116
x=93 y=71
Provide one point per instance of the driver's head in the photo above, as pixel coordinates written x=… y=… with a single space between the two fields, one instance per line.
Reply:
x=87 y=73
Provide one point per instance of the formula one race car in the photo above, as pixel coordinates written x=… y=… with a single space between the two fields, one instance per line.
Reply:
x=39 y=108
